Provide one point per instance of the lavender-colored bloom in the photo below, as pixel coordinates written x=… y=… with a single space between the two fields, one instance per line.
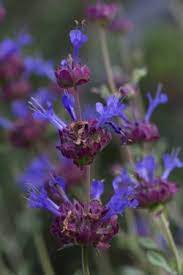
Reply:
x=40 y=67
x=77 y=38
x=80 y=140
x=9 y=46
x=20 y=109
x=113 y=108
x=76 y=223
x=160 y=98
x=69 y=104
x=143 y=130
x=122 y=199
x=171 y=161
x=152 y=189
x=24 y=39
x=97 y=189
x=146 y=168
x=36 y=173
x=123 y=180
x=43 y=95
x=47 y=114
x=5 y=123
x=40 y=199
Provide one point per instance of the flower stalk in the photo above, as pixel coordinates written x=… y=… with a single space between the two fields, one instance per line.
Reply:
x=85 y=266
x=106 y=58
x=169 y=237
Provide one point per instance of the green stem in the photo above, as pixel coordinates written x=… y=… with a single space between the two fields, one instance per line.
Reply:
x=85 y=266
x=170 y=240
x=106 y=58
x=43 y=254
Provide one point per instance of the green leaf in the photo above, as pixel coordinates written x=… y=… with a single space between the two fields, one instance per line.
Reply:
x=148 y=243
x=158 y=260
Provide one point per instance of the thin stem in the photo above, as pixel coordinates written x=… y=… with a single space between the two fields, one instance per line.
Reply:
x=88 y=172
x=106 y=58
x=43 y=254
x=85 y=266
x=78 y=105
x=170 y=240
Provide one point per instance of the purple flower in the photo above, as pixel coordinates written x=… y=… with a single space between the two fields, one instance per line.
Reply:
x=160 y=98
x=77 y=38
x=70 y=74
x=102 y=12
x=113 y=108
x=152 y=189
x=171 y=161
x=36 y=172
x=69 y=104
x=146 y=168
x=40 y=199
x=143 y=130
x=20 y=109
x=81 y=140
x=97 y=189
x=40 y=67
x=76 y=223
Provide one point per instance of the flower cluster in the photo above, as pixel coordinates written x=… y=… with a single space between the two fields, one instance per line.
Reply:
x=143 y=130
x=90 y=223
x=151 y=190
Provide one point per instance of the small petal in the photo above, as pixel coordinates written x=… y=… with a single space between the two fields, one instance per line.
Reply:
x=69 y=103
x=97 y=189
x=171 y=161
x=146 y=168
x=160 y=98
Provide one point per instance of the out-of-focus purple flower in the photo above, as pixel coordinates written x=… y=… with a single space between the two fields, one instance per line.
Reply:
x=121 y=25
x=9 y=46
x=153 y=190
x=40 y=67
x=143 y=130
x=101 y=12
x=5 y=123
x=20 y=109
x=44 y=95
x=36 y=173
x=160 y=98
x=171 y=161
x=17 y=89
x=2 y=14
